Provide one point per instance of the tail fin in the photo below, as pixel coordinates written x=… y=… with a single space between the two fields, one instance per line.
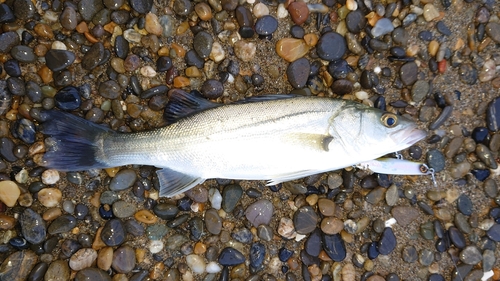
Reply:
x=75 y=144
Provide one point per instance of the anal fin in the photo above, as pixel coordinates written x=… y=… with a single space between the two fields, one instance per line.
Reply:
x=173 y=182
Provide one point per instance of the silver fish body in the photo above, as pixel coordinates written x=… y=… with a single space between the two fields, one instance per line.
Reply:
x=275 y=139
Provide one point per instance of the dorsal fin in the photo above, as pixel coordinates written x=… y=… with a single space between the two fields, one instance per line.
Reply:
x=182 y=104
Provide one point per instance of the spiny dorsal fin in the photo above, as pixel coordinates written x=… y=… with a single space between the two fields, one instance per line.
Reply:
x=182 y=104
x=262 y=98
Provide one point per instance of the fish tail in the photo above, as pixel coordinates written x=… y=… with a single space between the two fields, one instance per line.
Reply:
x=74 y=144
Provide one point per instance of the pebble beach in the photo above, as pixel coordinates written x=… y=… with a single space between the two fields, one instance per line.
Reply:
x=116 y=63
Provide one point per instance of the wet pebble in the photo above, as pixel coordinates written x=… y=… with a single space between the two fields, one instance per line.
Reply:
x=456 y=237
x=334 y=247
x=471 y=255
x=83 y=258
x=298 y=72
x=93 y=56
x=260 y=212
x=113 y=233
x=213 y=222
x=387 y=242
x=494 y=233
x=62 y=224
x=382 y=27
x=493 y=115
x=257 y=254
x=123 y=259
x=230 y=257
x=409 y=254
x=23 y=54
x=58 y=60
x=493 y=31
x=49 y=197
x=212 y=89
x=331 y=46
x=68 y=98
x=18 y=265
x=33 y=227
x=92 y=274
x=436 y=160
x=266 y=25
x=408 y=73
x=124 y=179
x=305 y=220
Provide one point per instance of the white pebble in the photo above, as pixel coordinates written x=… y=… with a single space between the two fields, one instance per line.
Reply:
x=217 y=54
x=260 y=10
x=286 y=228
x=282 y=11
x=148 y=71
x=187 y=276
x=362 y=95
x=196 y=263
x=213 y=267
x=58 y=45
x=132 y=36
x=390 y=222
x=377 y=69
x=155 y=246
x=49 y=197
x=22 y=176
x=50 y=176
x=215 y=198
x=351 y=5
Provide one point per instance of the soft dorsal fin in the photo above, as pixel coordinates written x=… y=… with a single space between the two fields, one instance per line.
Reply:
x=182 y=104
x=266 y=98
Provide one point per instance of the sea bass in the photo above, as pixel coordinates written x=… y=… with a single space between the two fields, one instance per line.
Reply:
x=276 y=138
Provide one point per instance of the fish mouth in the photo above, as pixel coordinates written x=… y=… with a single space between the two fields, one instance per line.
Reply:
x=408 y=137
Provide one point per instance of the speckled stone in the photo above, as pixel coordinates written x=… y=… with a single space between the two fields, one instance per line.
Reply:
x=33 y=227
x=18 y=265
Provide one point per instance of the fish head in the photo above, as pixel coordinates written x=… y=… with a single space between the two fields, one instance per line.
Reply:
x=372 y=132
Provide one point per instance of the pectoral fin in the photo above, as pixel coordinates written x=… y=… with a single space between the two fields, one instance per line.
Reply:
x=173 y=182
x=316 y=141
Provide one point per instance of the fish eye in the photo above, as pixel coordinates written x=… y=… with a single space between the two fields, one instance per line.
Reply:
x=389 y=120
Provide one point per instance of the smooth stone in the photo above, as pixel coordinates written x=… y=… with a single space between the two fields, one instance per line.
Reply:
x=355 y=21
x=93 y=56
x=387 y=242
x=8 y=40
x=471 y=255
x=468 y=74
x=305 y=220
x=464 y=204
x=113 y=233
x=298 y=72
x=212 y=89
x=203 y=43
x=493 y=115
x=166 y=211
x=83 y=258
x=244 y=50
x=196 y=263
x=9 y=193
x=38 y=271
x=436 y=160
x=409 y=254
x=23 y=54
x=404 y=215
x=109 y=89
x=182 y=7
x=58 y=270
x=493 y=31
x=291 y=49
x=342 y=86
x=257 y=254
x=231 y=196
x=6 y=150
x=6 y=14
x=213 y=221
x=334 y=247
x=91 y=274
x=33 y=227
x=260 y=212
x=408 y=73
x=442 y=28
x=69 y=18
x=18 y=265
x=49 y=197
x=88 y=8
x=230 y=257
x=313 y=243
x=494 y=232
x=123 y=209
x=426 y=257
x=382 y=27
x=456 y=237
x=331 y=46
x=123 y=259
x=266 y=25
x=62 y=224
x=58 y=60
x=299 y=12
x=156 y=231
x=326 y=207
x=124 y=179
x=24 y=9
x=419 y=90
x=68 y=98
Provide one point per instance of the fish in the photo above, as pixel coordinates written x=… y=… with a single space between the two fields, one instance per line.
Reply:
x=275 y=138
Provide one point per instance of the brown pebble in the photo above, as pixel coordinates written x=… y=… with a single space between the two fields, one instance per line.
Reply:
x=181 y=82
x=203 y=11
x=331 y=225
x=105 y=258
x=146 y=217
x=7 y=222
x=200 y=248
x=45 y=73
x=44 y=30
x=51 y=214
x=298 y=12
x=178 y=49
x=291 y=49
x=326 y=207
x=82 y=27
